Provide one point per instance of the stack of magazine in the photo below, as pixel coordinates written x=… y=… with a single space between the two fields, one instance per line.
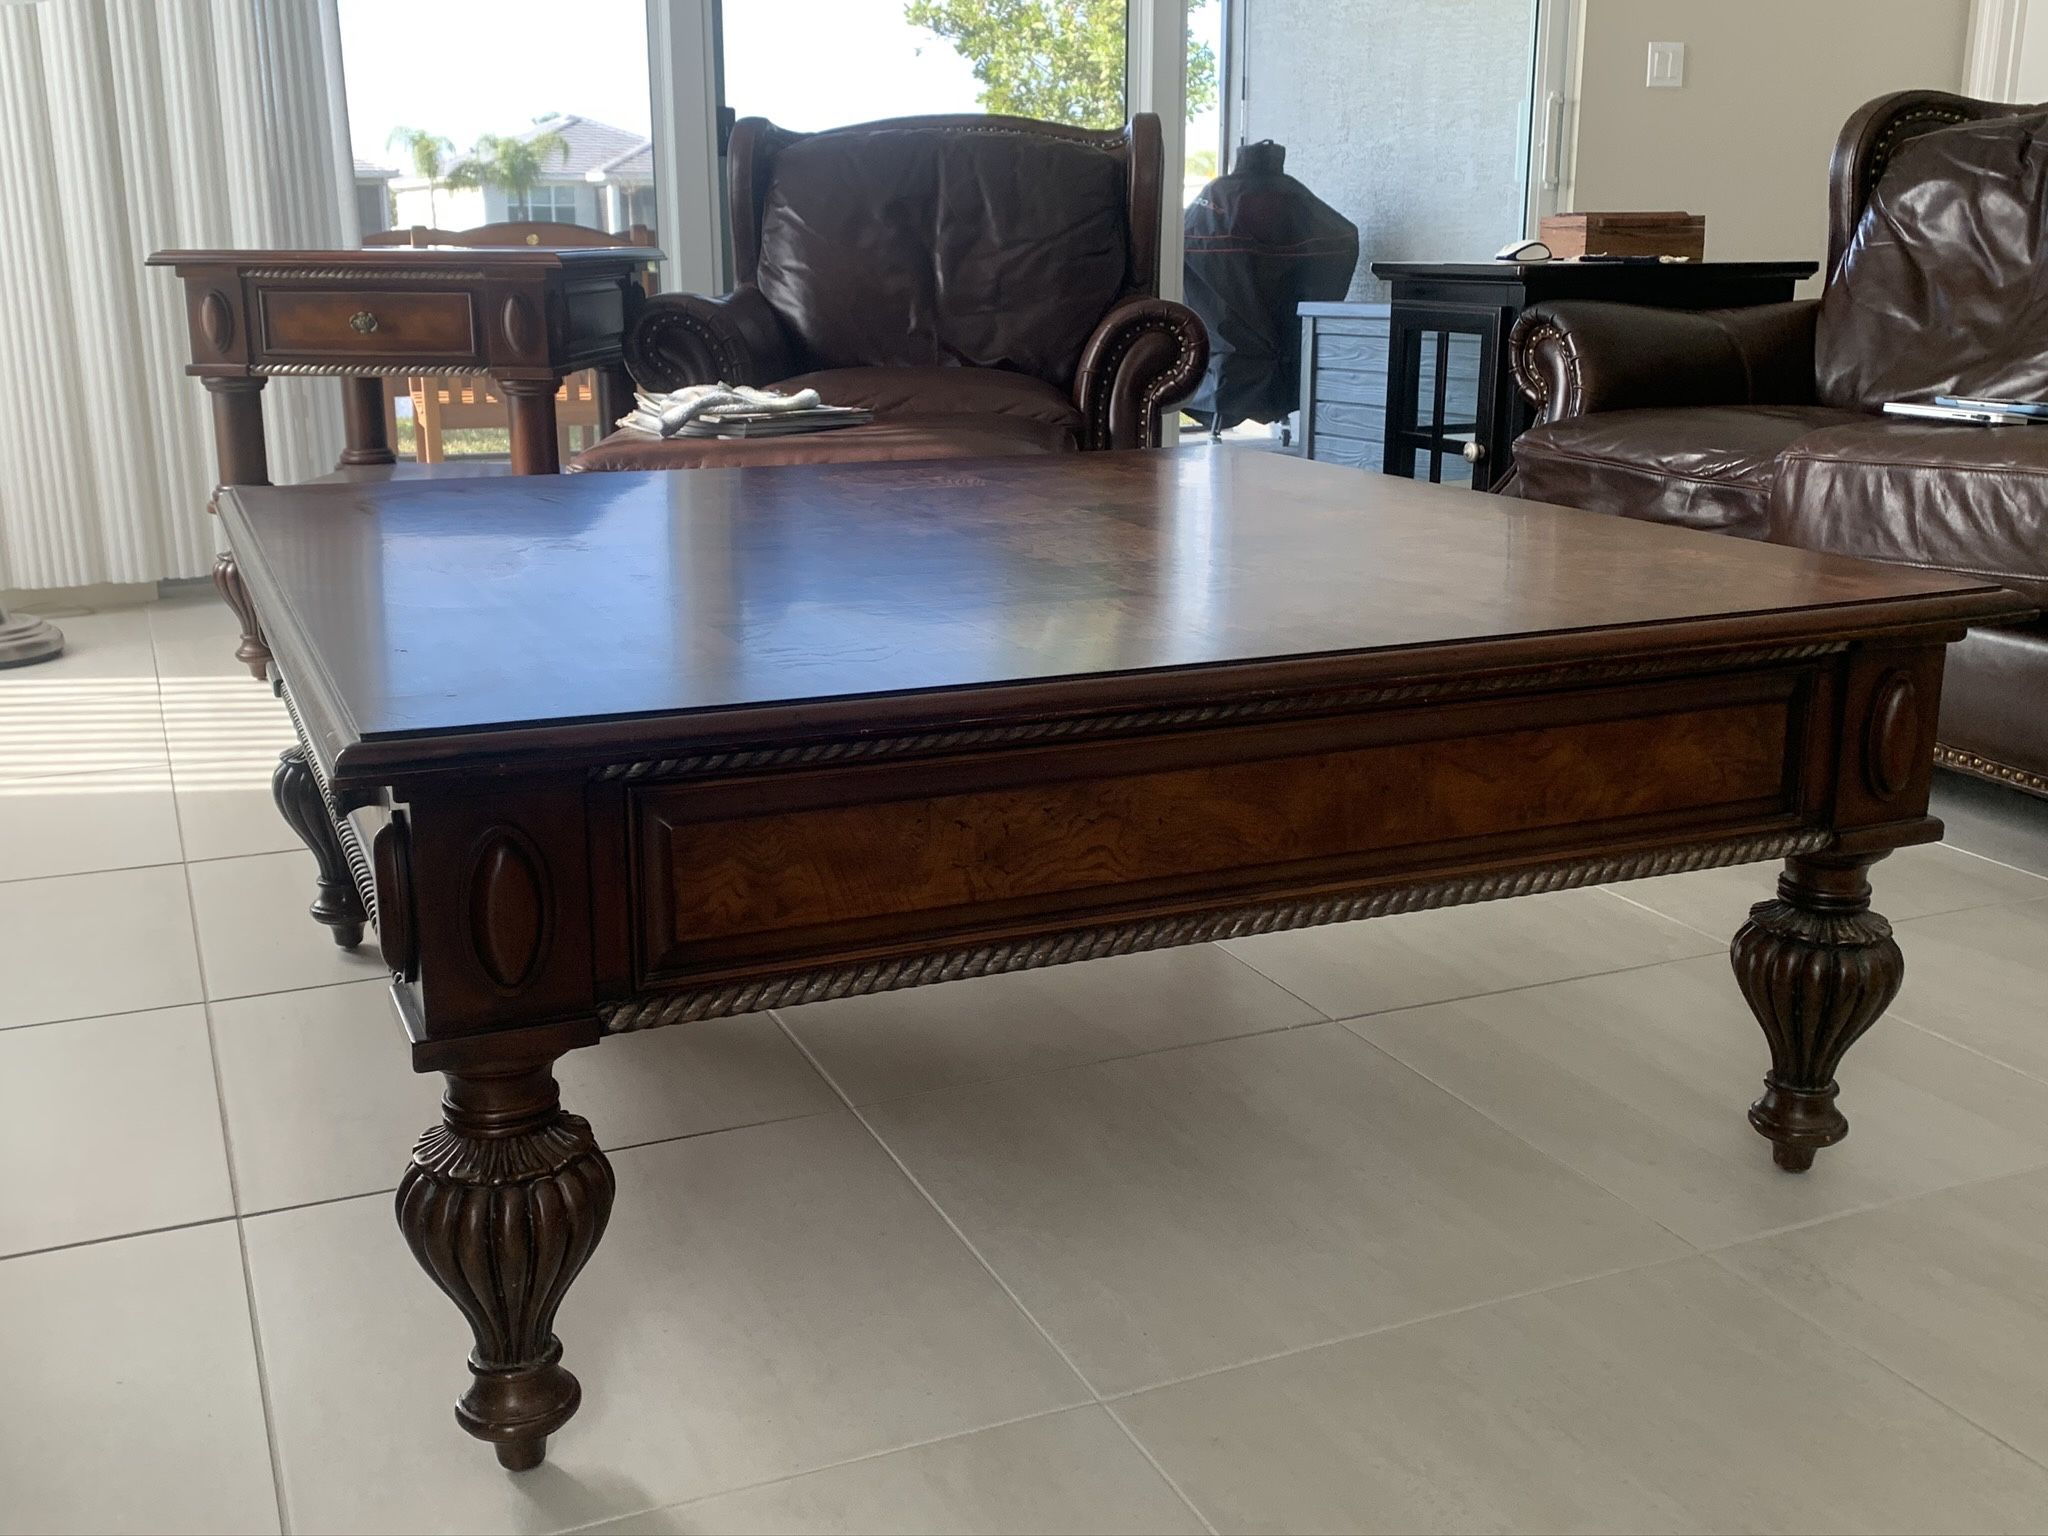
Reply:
x=1982 y=413
x=736 y=410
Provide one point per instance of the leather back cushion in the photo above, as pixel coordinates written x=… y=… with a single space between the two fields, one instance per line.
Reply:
x=973 y=247
x=1944 y=289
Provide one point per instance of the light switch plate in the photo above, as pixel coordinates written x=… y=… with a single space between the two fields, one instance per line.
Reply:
x=1667 y=66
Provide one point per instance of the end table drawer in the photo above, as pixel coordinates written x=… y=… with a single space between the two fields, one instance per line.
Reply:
x=366 y=323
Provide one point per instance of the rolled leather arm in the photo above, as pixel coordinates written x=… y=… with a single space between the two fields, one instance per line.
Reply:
x=1146 y=355
x=1577 y=357
x=685 y=338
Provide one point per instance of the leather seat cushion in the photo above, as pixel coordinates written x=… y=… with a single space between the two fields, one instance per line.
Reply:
x=1990 y=709
x=1707 y=467
x=943 y=392
x=910 y=245
x=898 y=438
x=1973 y=500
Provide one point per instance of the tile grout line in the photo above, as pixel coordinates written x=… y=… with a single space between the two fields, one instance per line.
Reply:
x=1321 y=1020
x=227 y=1141
x=1223 y=948
x=829 y=1466
x=1543 y=1152
x=1853 y=1347
x=979 y=1258
x=1339 y=1340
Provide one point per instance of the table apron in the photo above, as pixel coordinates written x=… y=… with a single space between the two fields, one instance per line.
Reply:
x=582 y=894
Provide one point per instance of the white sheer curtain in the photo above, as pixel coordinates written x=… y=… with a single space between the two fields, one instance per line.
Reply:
x=128 y=126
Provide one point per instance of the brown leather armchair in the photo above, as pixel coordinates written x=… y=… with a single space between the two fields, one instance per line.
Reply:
x=986 y=285
x=1765 y=423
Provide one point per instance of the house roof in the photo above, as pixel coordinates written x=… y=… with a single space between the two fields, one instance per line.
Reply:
x=614 y=154
x=369 y=170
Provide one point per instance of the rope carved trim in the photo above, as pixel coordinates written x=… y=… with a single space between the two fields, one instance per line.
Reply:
x=368 y=276
x=366 y=370
x=658 y=1010
x=1086 y=727
x=1989 y=768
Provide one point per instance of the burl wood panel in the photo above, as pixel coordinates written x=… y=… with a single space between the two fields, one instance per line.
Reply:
x=1091 y=828
x=367 y=322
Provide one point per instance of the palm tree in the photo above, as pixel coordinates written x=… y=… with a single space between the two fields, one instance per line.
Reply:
x=429 y=153
x=516 y=165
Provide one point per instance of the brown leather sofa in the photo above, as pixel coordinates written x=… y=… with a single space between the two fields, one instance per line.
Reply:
x=1764 y=422
x=986 y=285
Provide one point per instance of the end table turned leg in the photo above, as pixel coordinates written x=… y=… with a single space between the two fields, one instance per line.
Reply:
x=503 y=1205
x=252 y=652
x=1817 y=967
x=297 y=793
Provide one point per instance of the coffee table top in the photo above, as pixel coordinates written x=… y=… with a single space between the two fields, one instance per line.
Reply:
x=419 y=621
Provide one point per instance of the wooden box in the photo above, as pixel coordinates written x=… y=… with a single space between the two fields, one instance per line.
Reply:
x=1625 y=234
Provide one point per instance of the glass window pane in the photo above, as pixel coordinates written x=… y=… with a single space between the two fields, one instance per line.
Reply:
x=516 y=130
x=1436 y=168
x=812 y=64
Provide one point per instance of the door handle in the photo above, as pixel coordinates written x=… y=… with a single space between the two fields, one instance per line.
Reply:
x=1553 y=135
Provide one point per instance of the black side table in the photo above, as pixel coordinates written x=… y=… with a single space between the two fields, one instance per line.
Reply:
x=1434 y=301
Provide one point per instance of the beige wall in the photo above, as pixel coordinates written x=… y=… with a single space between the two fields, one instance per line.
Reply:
x=1746 y=139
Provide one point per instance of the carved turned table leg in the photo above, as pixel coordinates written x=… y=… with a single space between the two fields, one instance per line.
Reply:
x=339 y=905
x=1818 y=967
x=243 y=460
x=535 y=449
x=503 y=1205
x=366 y=437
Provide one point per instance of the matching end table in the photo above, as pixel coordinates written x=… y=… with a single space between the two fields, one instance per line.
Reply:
x=527 y=316
x=1439 y=300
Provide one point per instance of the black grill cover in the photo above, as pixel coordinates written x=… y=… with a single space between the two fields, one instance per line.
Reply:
x=1258 y=244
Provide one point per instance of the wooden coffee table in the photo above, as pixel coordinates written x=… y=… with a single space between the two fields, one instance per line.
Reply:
x=636 y=750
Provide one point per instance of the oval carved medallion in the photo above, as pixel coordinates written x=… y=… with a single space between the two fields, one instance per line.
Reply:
x=392 y=857
x=1892 y=739
x=508 y=907
x=216 y=320
x=518 y=323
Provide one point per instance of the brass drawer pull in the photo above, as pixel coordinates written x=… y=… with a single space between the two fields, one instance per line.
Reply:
x=362 y=322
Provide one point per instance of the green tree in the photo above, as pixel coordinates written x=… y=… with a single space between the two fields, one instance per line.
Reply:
x=429 y=154
x=1057 y=59
x=515 y=164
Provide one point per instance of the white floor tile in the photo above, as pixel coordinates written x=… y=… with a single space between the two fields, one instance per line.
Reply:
x=1980 y=978
x=131 y=1401
x=1202 y=1207
x=1428 y=957
x=1946 y=1290
x=75 y=946
x=1994 y=820
x=225 y=810
x=1643 y=1081
x=119 y=1120
x=1675 y=1398
x=255 y=934
x=1913 y=882
x=894 y=1043
x=79 y=823
x=1066 y=1472
x=193 y=632
x=55 y=723
x=766 y=1302
x=323 y=1103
